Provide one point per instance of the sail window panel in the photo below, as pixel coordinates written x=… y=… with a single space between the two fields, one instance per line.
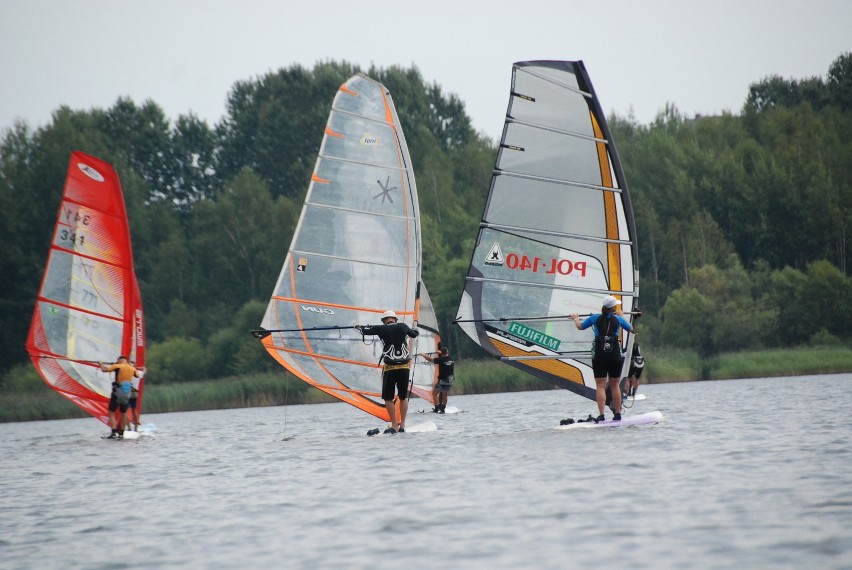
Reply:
x=525 y=258
x=356 y=236
x=550 y=105
x=361 y=96
x=562 y=72
x=337 y=374
x=354 y=377
x=549 y=154
x=519 y=303
x=327 y=287
x=79 y=335
x=360 y=140
x=548 y=206
x=93 y=286
x=376 y=189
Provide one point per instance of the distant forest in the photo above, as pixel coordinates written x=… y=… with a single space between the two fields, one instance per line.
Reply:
x=743 y=219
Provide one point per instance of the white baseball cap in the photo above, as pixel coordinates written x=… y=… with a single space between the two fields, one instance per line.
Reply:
x=610 y=301
x=388 y=314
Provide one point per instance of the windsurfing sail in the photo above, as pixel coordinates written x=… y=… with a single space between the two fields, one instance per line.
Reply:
x=557 y=234
x=89 y=307
x=355 y=252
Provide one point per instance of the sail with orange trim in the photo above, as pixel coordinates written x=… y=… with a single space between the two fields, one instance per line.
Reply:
x=557 y=234
x=89 y=307
x=355 y=252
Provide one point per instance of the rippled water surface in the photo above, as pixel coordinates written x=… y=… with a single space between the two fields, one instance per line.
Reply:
x=744 y=473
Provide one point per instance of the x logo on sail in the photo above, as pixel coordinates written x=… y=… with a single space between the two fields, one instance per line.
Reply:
x=385 y=190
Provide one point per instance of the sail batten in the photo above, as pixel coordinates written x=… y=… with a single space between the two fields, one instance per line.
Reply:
x=556 y=181
x=550 y=79
x=355 y=253
x=543 y=127
x=354 y=211
x=557 y=233
x=517 y=230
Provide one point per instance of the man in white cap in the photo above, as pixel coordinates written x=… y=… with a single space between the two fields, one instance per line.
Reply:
x=607 y=360
x=396 y=360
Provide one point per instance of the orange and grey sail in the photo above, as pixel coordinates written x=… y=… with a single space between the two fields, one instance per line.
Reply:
x=557 y=234
x=355 y=253
x=89 y=307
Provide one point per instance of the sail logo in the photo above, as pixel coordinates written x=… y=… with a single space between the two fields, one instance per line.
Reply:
x=321 y=310
x=534 y=336
x=369 y=140
x=495 y=256
x=140 y=336
x=90 y=172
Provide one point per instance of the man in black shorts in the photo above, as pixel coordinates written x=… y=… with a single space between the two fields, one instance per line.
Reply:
x=446 y=375
x=396 y=359
x=637 y=365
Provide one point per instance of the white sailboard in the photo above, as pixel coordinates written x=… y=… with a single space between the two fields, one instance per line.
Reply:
x=633 y=420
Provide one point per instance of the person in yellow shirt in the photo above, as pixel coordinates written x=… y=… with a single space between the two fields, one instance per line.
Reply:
x=121 y=390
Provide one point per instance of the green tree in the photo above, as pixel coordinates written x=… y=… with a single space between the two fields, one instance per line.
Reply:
x=840 y=82
x=688 y=317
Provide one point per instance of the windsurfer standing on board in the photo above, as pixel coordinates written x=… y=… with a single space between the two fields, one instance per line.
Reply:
x=441 y=389
x=396 y=359
x=637 y=365
x=120 y=397
x=607 y=360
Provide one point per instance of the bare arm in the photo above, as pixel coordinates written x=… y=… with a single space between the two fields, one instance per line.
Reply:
x=577 y=323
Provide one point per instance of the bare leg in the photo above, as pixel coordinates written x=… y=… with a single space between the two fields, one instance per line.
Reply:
x=600 y=385
x=616 y=394
x=392 y=413
x=403 y=411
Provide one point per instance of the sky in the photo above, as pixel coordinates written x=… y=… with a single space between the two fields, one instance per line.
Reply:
x=186 y=55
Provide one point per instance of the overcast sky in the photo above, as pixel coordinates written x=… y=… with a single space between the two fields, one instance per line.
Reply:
x=185 y=55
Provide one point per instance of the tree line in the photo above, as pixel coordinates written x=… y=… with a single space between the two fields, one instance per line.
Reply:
x=742 y=218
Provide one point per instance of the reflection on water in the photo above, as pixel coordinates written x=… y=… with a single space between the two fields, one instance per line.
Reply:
x=750 y=473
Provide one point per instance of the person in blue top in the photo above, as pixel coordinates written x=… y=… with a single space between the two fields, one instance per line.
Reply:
x=607 y=360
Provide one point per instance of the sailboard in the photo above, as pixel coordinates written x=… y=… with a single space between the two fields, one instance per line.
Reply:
x=637 y=420
x=557 y=233
x=355 y=253
x=88 y=308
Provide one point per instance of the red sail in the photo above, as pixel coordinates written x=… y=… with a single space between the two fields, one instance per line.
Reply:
x=89 y=307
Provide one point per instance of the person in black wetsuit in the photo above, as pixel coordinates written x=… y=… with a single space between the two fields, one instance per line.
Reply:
x=396 y=364
x=607 y=359
x=441 y=389
x=637 y=365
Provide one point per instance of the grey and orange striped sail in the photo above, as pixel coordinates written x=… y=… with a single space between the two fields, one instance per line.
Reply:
x=89 y=307
x=355 y=253
x=557 y=234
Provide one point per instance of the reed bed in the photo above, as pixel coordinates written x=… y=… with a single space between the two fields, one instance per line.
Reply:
x=24 y=397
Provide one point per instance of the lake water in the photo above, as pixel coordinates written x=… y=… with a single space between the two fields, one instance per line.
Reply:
x=742 y=473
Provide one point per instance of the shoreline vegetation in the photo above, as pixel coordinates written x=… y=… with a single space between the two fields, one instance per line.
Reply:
x=27 y=398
